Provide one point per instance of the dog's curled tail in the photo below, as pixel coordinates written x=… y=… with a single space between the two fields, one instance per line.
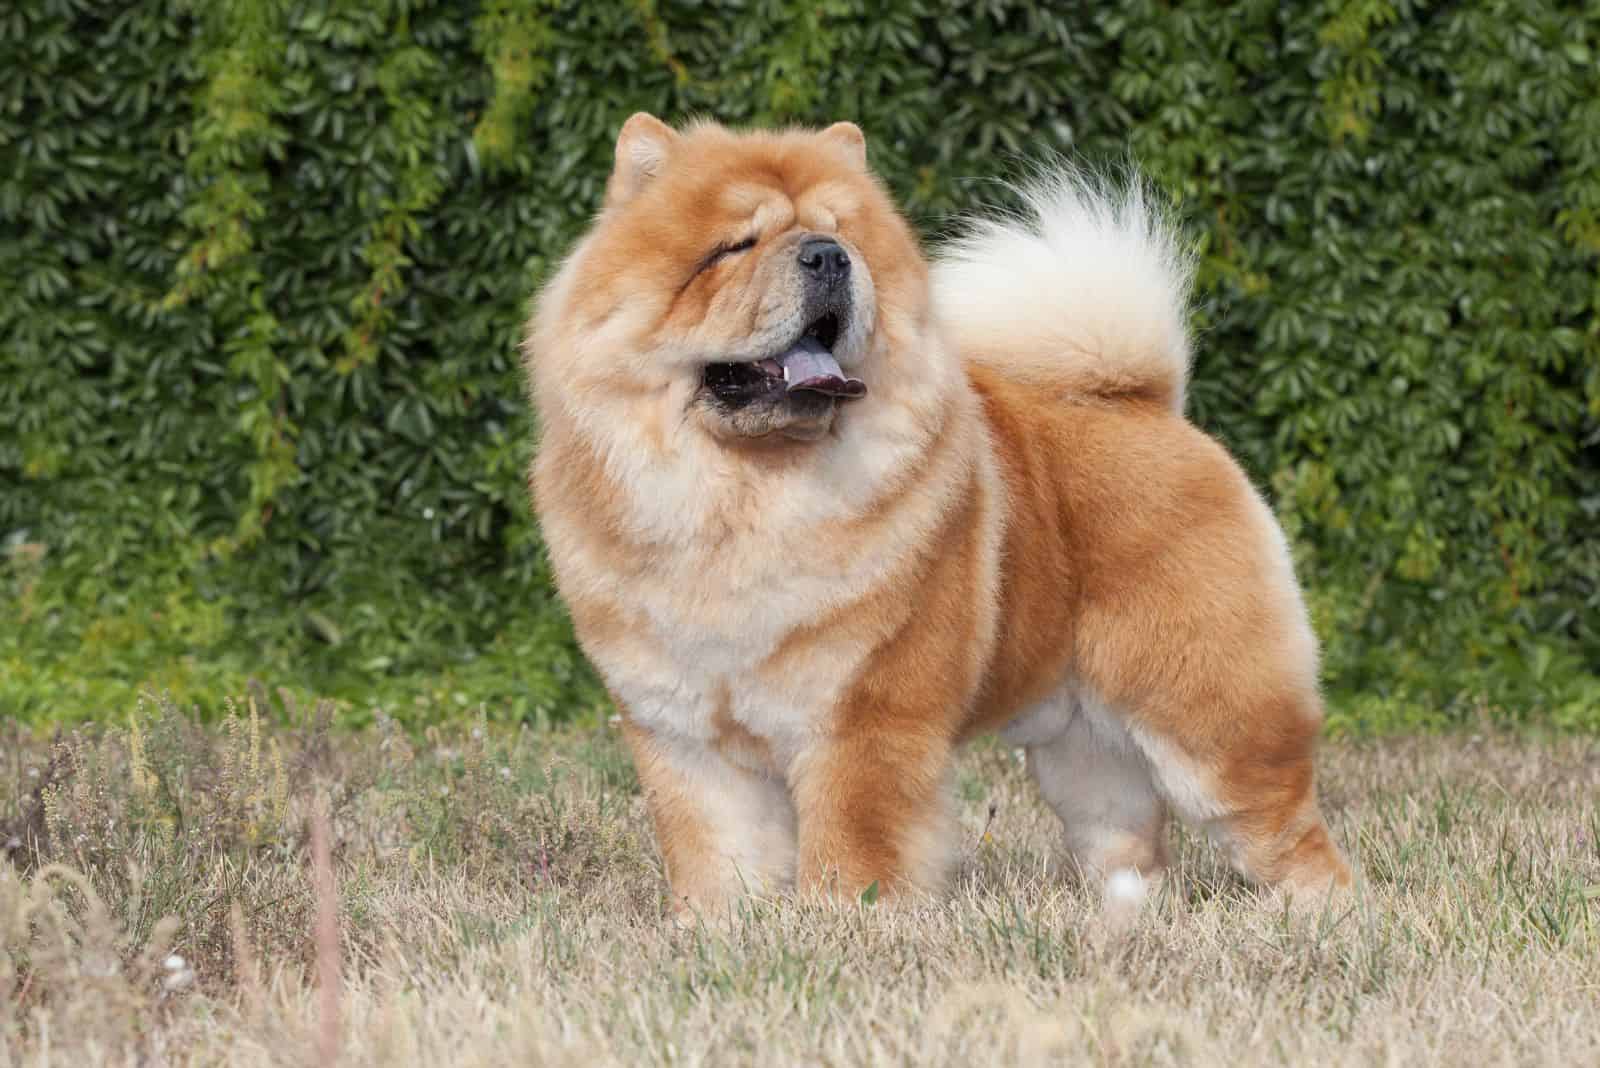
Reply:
x=1084 y=292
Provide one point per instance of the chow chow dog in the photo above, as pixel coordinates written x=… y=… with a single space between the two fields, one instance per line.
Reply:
x=822 y=511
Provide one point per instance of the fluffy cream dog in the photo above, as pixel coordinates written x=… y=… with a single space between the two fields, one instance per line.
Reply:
x=821 y=514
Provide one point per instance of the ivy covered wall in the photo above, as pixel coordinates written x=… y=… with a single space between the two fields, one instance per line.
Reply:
x=263 y=265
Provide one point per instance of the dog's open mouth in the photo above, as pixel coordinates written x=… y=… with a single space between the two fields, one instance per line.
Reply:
x=807 y=366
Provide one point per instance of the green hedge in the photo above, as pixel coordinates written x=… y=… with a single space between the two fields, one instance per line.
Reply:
x=264 y=266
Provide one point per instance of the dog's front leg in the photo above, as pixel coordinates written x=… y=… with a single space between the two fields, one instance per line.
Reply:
x=874 y=808
x=722 y=829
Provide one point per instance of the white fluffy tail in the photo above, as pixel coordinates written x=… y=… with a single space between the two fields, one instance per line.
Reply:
x=1085 y=292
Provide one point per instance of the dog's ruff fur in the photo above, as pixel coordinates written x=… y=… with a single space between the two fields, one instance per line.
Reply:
x=1015 y=530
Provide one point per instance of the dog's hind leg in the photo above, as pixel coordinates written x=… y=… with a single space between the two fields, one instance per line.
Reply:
x=1099 y=784
x=1249 y=784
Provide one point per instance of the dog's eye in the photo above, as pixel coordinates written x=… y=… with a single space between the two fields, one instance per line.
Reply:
x=738 y=246
x=721 y=252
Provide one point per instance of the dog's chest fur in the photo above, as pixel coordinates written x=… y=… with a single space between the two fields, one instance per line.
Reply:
x=739 y=622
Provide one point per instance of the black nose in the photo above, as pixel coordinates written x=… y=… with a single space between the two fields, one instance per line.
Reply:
x=823 y=258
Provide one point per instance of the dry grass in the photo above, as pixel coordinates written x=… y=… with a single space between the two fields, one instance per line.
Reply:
x=495 y=899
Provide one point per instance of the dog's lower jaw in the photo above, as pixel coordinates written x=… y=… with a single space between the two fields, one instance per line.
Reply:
x=770 y=423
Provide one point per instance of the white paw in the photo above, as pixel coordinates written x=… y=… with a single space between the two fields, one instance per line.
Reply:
x=1125 y=890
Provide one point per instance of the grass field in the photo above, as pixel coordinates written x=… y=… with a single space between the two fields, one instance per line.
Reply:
x=491 y=898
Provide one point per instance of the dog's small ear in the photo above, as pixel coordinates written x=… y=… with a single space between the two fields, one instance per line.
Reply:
x=848 y=136
x=643 y=146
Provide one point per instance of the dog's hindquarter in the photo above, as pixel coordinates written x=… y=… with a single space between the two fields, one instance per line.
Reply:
x=1152 y=649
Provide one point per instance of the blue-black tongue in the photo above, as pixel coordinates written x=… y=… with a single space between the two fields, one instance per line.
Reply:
x=810 y=366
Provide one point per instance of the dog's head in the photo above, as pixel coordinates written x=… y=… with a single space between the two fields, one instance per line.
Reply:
x=741 y=279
